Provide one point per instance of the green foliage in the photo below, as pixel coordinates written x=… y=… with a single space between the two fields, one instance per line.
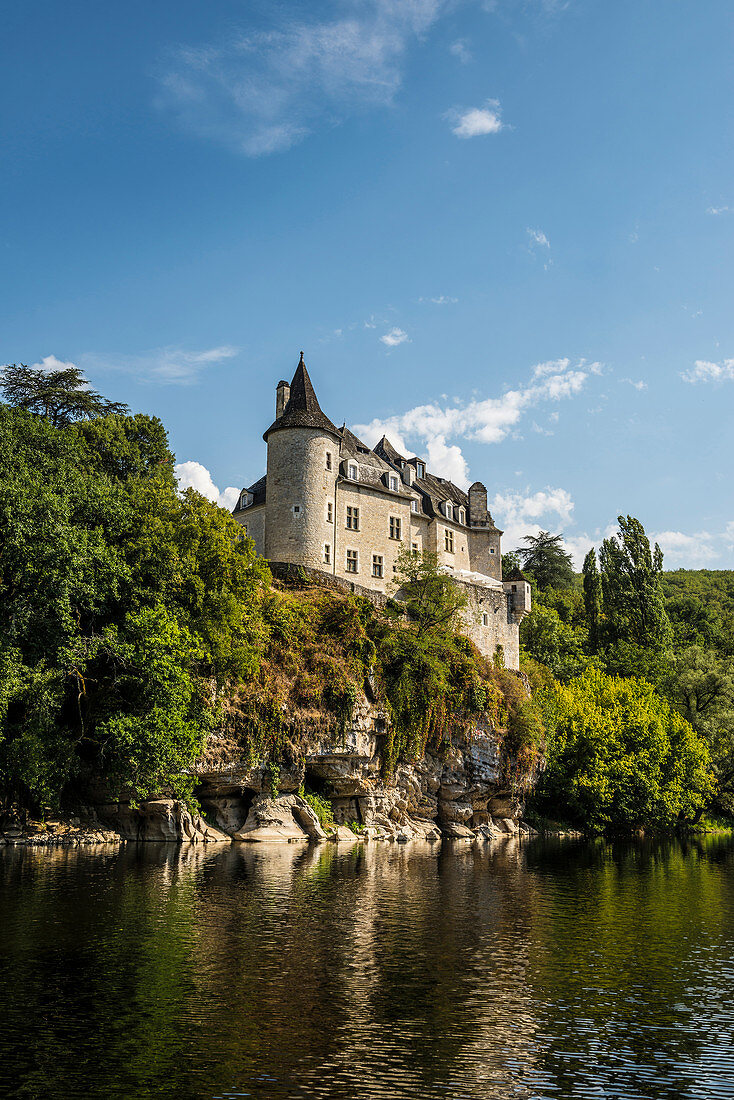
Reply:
x=61 y=396
x=619 y=757
x=510 y=563
x=634 y=604
x=592 y=600
x=122 y=606
x=547 y=562
x=545 y=637
x=322 y=807
x=433 y=601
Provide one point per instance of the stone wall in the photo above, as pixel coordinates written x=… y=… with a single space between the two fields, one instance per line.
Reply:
x=490 y=622
x=253 y=520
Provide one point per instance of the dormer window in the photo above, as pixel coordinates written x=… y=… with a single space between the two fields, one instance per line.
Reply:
x=394 y=483
x=420 y=470
x=352 y=471
x=414 y=505
x=449 y=510
x=245 y=500
x=462 y=516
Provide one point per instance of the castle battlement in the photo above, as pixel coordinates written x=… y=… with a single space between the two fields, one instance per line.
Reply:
x=331 y=503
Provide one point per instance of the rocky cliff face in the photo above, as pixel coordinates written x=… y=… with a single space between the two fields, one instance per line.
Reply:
x=459 y=793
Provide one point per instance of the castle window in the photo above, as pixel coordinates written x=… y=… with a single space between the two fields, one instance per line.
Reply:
x=351 y=561
x=296 y=509
x=327 y=554
x=329 y=512
x=395 y=527
x=461 y=516
x=420 y=470
x=414 y=548
x=485 y=619
x=491 y=549
x=328 y=460
x=377 y=565
x=352 y=471
x=414 y=505
x=352 y=518
x=448 y=537
x=394 y=484
x=514 y=588
x=245 y=500
x=449 y=510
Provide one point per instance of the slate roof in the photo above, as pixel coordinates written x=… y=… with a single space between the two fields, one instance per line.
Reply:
x=373 y=470
x=435 y=490
x=303 y=409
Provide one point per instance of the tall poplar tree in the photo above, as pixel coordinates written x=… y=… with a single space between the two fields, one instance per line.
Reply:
x=592 y=599
x=633 y=600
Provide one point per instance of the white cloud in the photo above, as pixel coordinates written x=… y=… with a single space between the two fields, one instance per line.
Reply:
x=460 y=49
x=520 y=514
x=686 y=551
x=705 y=371
x=394 y=337
x=477 y=121
x=639 y=385
x=263 y=92
x=195 y=476
x=716 y=210
x=51 y=363
x=538 y=237
x=433 y=427
x=441 y=300
x=170 y=365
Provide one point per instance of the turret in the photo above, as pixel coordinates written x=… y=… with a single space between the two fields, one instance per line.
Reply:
x=303 y=462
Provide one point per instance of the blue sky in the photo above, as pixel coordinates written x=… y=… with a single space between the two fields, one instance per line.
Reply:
x=501 y=231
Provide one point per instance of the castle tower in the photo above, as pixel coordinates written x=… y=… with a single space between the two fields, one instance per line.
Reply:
x=302 y=467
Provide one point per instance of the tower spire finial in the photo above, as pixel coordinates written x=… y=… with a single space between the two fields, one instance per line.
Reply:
x=301 y=359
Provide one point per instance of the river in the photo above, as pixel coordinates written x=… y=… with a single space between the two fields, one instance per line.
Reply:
x=535 y=969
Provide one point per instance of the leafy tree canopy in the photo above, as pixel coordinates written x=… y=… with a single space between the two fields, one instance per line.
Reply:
x=634 y=604
x=62 y=396
x=619 y=757
x=545 y=559
x=432 y=599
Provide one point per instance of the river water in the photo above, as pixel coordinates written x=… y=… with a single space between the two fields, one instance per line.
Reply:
x=534 y=969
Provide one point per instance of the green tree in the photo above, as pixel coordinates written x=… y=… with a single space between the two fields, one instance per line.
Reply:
x=62 y=396
x=546 y=638
x=701 y=686
x=634 y=604
x=432 y=599
x=510 y=563
x=592 y=600
x=545 y=559
x=123 y=607
x=619 y=757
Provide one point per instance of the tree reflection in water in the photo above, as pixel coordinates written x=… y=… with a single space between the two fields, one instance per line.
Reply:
x=502 y=970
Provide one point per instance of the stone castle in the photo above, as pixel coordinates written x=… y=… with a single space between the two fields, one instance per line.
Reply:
x=330 y=503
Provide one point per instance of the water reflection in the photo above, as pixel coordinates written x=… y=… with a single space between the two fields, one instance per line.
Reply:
x=534 y=969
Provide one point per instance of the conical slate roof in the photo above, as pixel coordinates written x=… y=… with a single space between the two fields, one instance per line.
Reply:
x=303 y=409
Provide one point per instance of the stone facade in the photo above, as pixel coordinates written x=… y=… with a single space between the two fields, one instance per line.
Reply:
x=330 y=503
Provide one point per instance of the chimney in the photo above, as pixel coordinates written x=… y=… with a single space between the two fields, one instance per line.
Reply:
x=478 y=514
x=282 y=393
